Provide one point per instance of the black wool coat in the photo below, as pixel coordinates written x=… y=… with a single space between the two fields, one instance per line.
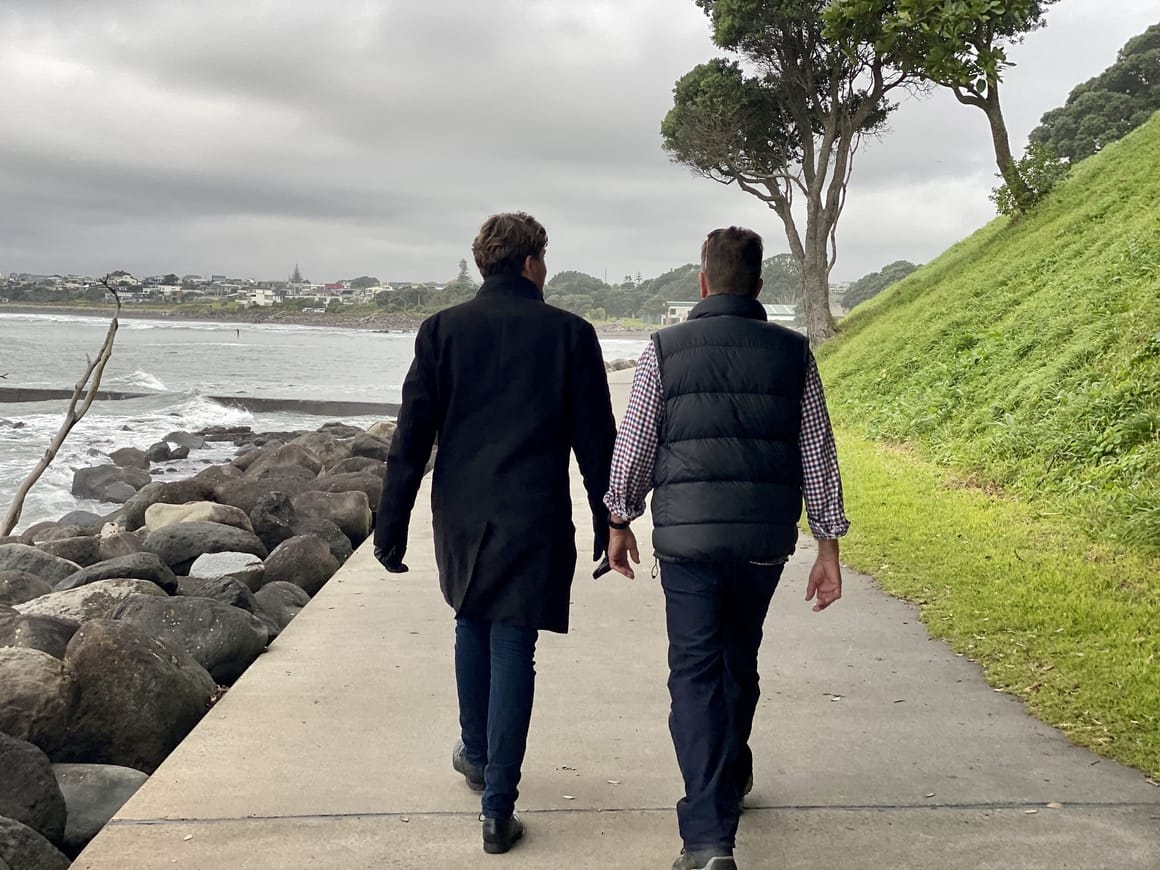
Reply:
x=509 y=386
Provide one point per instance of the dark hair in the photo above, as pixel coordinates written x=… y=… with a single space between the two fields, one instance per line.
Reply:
x=731 y=261
x=505 y=241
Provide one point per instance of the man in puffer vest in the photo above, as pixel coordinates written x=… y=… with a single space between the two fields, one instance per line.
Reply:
x=727 y=425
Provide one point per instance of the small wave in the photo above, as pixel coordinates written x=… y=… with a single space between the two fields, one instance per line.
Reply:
x=140 y=380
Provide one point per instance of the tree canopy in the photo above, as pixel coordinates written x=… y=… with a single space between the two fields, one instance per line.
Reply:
x=781 y=119
x=1109 y=106
x=871 y=285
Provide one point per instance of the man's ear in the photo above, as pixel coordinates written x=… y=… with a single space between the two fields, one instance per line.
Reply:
x=760 y=284
x=704 y=282
x=527 y=270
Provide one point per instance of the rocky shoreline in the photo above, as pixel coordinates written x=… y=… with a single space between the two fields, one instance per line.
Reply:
x=118 y=632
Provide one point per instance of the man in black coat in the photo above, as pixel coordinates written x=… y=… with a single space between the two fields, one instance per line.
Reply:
x=510 y=386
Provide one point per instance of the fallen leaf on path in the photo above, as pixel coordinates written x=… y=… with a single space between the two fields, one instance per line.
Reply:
x=188 y=837
x=568 y=797
x=614 y=782
x=1030 y=812
x=1055 y=805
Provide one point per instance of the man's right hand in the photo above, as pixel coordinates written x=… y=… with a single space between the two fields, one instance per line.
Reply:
x=825 y=582
x=622 y=545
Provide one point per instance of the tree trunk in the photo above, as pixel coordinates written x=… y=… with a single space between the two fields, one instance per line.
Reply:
x=1020 y=192
x=820 y=325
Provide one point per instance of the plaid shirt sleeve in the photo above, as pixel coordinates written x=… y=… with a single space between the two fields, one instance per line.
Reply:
x=822 y=482
x=636 y=441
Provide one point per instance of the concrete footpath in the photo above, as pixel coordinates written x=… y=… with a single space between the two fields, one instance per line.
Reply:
x=876 y=747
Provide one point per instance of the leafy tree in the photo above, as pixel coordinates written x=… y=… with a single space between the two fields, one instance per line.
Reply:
x=785 y=124
x=463 y=275
x=573 y=282
x=296 y=276
x=677 y=285
x=364 y=281
x=170 y=280
x=391 y=300
x=655 y=306
x=871 y=285
x=783 y=280
x=1109 y=106
x=958 y=45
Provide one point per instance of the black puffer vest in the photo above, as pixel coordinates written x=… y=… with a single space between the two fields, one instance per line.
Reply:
x=728 y=475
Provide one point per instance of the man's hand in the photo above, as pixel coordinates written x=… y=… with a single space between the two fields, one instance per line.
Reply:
x=825 y=577
x=622 y=545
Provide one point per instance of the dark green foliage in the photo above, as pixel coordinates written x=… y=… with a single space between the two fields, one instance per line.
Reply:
x=1040 y=170
x=871 y=285
x=1109 y=106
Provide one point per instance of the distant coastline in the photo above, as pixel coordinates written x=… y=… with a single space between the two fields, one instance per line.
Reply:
x=385 y=322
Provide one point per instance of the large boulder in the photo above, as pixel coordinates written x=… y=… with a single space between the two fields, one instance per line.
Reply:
x=273 y=518
x=243 y=567
x=135 y=566
x=350 y=511
x=185 y=439
x=325 y=447
x=21 y=848
x=383 y=430
x=118 y=544
x=362 y=481
x=96 y=481
x=280 y=602
x=196 y=488
x=37 y=695
x=95 y=601
x=28 y=790
x=159 y=452
x=245 y=494
x=86 y=522
x=227 y=590
x=137 y=696
x=49 y=634
x=338 y=542
x=305 y=561
x=43 y=531
x=130 y=457
x=21 y=557
x=370 y=446
x=357 y=464
x=82 y=550
x=222 y=639
x=286 y=455
x=16 y=587
x=286 y=472
x=340 y=430
x=179 y=545
x=93 y=793
x=160 y=515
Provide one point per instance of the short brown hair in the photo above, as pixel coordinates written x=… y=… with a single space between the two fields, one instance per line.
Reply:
x=505 y=241
x=731 y=261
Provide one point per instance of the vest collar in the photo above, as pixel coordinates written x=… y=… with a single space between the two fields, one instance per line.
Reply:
x=727 y=305
x=510 y=284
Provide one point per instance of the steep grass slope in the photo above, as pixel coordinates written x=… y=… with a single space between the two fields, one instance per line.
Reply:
x=1028 y=355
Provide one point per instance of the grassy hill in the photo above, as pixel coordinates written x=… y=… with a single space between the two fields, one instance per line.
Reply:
x=999 y=422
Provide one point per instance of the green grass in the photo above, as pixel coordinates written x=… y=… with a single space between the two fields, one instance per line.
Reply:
x=1000 y=417
x=1068 y=627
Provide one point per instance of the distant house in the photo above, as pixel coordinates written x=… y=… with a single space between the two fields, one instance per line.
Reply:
x=678 y=312
x=264 y=297
x=781 y=313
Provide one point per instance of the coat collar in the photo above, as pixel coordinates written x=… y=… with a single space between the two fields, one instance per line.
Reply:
x=724 y=304
x=510 y=284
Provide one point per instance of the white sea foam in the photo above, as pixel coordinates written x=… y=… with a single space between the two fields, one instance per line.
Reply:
x=138 y=380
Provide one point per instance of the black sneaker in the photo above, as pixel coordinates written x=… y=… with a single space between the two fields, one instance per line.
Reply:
x=499 y=835
x=472 y=774
x=706 y=860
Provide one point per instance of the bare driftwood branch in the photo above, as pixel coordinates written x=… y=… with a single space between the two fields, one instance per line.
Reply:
x=89 y=385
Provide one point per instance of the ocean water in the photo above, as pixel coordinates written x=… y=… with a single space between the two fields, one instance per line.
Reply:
x=179 y=364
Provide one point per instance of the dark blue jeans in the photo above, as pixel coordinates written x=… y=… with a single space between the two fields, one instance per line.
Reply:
x=496 y=676
x=715 y=614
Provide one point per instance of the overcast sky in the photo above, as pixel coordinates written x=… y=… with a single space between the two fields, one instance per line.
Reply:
x=373 y=136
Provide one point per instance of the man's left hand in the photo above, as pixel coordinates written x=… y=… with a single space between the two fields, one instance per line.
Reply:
x=392 y=560
x=621 y=546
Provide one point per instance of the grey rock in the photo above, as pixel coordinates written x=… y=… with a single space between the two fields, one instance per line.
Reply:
x=273 y=518
x=362 y=481
x=93 y=482
x=327 y=448
x=21 y=557
x=95 y=601
x=339 y=543
x=371 y=447
x=245 y=494
x=159 y=516
x=159 y=452
x=37 y=696
x=222 y=639
x=117 y=493
x=87 y=522
x=179 y=453
x=135 y=566
x=38 y=532
x=244 y=567
x=16 y=587
x=358 y=464
x=136 y=477
x=28 y=790
x=179 y=545
x=288 y=454
x=21 y=848
x=227 y=590
x=177 y=492
x=350 y=511
x=49 y=634
x=130 y=457
x=185 y=439
x=84 y=550
x=138 y=696
x=305 y=561
x=285 y=472
x=93 y=793
x=118 y=545
x=340 y=430
x=383 y=430
x=281 y=601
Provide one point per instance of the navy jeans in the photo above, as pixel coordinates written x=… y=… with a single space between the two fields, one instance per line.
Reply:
x=715 y=614
x=496 y=676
